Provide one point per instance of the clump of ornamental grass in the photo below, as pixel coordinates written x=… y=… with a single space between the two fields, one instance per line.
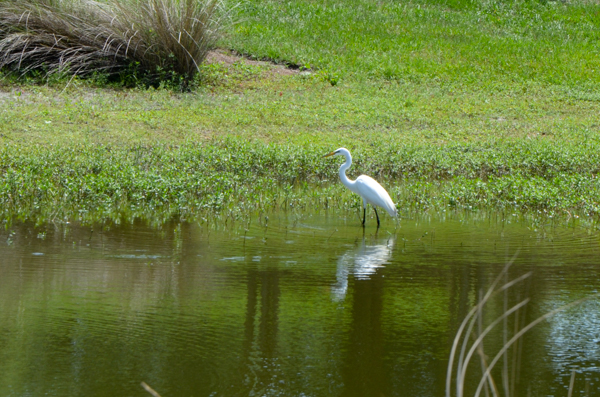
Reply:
x=149 y=40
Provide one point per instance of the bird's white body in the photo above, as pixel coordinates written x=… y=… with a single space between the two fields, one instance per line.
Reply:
x=366 y=187
x=373 y=193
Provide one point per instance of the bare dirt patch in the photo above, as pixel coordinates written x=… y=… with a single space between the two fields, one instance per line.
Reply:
x=229 y=58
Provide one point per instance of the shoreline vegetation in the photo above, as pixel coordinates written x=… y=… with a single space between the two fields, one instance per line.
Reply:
x=454 y=105
x=234 y=178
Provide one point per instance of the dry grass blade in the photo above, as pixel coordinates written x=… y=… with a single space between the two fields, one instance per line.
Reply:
x=483 y=334
x=85 y=36
x=466 y=330
x=519 y=334
x=477 y=310
x=474 y=315
x=467 y=321
x=571 y=384
x=150 y=390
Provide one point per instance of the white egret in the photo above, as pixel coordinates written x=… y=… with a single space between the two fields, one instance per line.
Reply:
x=366 y=187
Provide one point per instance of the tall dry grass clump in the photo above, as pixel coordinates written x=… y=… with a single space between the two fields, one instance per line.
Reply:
x=152 y=38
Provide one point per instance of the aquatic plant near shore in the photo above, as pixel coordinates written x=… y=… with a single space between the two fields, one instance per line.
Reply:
x=233 y=176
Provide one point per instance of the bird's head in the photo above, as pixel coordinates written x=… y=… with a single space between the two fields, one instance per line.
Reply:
x=339 y=152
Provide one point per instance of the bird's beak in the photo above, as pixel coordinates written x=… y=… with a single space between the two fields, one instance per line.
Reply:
x=329 y=154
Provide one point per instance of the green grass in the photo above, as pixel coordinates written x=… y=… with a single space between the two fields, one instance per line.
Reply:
x=479 y=42
x=468 y=105
x=299 y=110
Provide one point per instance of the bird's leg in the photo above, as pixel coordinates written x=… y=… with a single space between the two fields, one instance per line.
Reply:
x=377 y=215
x=364 y=212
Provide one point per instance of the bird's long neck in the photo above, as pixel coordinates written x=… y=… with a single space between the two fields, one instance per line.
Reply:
x=347 y=182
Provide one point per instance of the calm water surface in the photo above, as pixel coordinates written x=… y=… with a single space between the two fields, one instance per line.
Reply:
x=304 y=306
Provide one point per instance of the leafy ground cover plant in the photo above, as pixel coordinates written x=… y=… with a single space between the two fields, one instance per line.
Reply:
x=234 y=178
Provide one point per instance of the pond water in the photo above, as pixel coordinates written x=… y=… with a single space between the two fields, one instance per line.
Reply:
x=296 y=305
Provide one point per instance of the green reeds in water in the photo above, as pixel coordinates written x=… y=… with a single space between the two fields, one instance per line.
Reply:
x=470 y=337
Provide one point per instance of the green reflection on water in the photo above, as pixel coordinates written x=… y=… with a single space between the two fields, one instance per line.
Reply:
x=312 y=305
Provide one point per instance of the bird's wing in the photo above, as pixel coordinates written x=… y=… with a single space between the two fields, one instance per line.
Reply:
x=375 y=194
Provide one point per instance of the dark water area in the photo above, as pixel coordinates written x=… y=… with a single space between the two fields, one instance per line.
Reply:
x=299 y=305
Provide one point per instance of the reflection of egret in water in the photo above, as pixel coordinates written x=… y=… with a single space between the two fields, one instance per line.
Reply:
x=364 y=372
x=362 y=263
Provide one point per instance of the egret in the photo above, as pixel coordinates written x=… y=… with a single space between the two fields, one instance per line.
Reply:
x=366 y=187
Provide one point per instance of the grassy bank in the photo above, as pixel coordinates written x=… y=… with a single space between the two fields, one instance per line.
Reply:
x=451 y=105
